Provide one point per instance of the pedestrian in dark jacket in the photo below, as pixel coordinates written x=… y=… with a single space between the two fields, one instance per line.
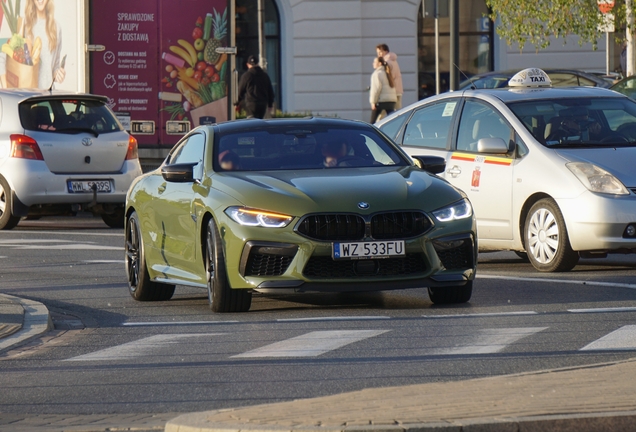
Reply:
x=255 y=90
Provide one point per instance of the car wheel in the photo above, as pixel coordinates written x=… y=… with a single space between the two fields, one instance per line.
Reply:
x=546 y=238
x=139 y=284
x=221 y=296
x=448 y=295
x=115 y=219
x=7 y=220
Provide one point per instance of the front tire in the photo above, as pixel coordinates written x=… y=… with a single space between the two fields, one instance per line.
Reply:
x=451 y=295
x=546 y=238
x=7 y=220
x=140 y=286
x=221 y=296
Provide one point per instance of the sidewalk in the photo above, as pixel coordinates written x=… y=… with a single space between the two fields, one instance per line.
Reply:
x=592 y=398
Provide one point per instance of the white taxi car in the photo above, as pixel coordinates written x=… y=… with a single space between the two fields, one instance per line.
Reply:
x=61 y=153
x=549 y=171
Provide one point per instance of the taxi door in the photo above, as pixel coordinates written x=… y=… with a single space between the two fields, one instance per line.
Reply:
x=485 y=178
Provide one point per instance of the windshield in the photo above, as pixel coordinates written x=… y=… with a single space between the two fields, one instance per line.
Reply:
x=71 y=116
x=300 y=147
x=579 y=122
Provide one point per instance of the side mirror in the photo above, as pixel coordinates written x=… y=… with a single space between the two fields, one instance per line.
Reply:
x=179 y=173
x=492 y=146
x=432 y=164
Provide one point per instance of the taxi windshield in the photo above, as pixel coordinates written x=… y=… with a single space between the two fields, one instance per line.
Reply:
x=579 y=122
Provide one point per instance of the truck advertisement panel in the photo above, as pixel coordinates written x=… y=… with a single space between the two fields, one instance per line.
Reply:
x=159 y=66
x=42 y=44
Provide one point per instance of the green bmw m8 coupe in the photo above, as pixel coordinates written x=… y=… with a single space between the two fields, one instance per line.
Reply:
x=305 y=205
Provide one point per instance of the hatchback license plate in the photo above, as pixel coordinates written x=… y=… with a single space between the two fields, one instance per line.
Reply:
x=86 y=186
x=368 y=250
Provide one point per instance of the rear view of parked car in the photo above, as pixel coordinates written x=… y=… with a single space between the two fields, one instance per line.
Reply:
x=62 y=153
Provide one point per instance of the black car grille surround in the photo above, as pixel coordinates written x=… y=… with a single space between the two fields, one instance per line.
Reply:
x=324 y=267
x=352 y=227
x=266 y=258
x=455 y=253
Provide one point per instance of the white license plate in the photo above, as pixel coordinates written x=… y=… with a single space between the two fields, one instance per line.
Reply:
x=368 y=250
x=86 y=186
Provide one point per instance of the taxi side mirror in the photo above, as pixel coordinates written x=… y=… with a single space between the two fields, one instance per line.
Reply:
x=492 y=146
x=431 y=164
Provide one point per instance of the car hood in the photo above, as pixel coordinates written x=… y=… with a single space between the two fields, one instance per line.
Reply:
x=617 y=161
x=338 y=190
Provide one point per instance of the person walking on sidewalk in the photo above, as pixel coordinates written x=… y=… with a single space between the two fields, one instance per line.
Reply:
x=255 y=90
x=391 y=58
x=382 y=95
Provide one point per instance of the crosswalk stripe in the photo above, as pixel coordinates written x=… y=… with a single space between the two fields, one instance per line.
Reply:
x=489 y=341
x=622 y=339
x=311 y=344
x=138 y=348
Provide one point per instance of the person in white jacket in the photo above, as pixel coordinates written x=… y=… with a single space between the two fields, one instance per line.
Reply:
x=382 y=95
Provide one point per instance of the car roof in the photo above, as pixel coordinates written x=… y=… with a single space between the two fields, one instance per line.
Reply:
x=250 y=124
x=20 y=94
x=537 y=93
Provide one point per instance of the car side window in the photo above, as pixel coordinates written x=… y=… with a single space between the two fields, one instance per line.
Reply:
x=392 y=128
x=190 y=151
x=480 y=121
x=430 y=126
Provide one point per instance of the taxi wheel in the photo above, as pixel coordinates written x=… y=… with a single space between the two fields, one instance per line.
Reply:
x=546 y=238
x=140 y=286
x=115 y=219
x=221 y=296
x=448 y=295
x=7 y=220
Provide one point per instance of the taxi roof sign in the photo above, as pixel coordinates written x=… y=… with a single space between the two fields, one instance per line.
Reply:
x=531 y=77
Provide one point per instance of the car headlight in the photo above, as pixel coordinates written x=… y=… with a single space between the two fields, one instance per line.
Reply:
x=457 y=211
x=597 y=179
x=253 y=217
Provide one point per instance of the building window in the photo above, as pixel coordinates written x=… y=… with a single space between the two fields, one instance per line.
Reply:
x=247 y=40
x=475 y=43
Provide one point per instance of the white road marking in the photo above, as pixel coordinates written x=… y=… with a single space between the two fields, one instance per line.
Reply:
x=174 y=323
x=335 y=318
x=311 y=344
x=65 y=233
x=603 y=310
x=140 y=348
x=564 y=281
x=47 y=244
x=491 y=314
x=622 y=339
x=489 y=341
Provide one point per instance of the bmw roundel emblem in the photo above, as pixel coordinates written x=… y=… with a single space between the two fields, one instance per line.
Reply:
x=363 y=205
x=87 y=142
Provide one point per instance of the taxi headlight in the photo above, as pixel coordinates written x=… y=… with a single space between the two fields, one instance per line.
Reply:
x=457 y=211
x=253 y=217
x=597 y=179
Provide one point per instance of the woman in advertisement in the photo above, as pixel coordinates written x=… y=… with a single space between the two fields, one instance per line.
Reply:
x=39 y=22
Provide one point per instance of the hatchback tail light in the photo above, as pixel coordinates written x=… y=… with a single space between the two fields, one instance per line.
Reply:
x=25 y=147
x=133 y=153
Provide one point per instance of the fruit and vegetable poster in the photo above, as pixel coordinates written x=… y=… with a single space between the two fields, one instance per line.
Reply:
x=160 y=64
x=41 y=44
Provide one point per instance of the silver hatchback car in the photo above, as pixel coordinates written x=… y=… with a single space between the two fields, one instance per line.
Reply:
x=549 y=171
x=61 y=153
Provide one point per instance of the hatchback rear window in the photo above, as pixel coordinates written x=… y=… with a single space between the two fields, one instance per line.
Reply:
x=71 y=116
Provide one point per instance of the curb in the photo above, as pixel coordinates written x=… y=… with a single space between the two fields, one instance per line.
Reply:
x=590 y=422
x=36 y=322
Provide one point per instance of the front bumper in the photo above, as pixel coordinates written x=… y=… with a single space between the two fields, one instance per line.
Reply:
x=598 y=222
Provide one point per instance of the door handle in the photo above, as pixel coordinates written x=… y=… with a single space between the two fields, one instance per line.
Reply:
x=454 y=171
x=161 y=189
